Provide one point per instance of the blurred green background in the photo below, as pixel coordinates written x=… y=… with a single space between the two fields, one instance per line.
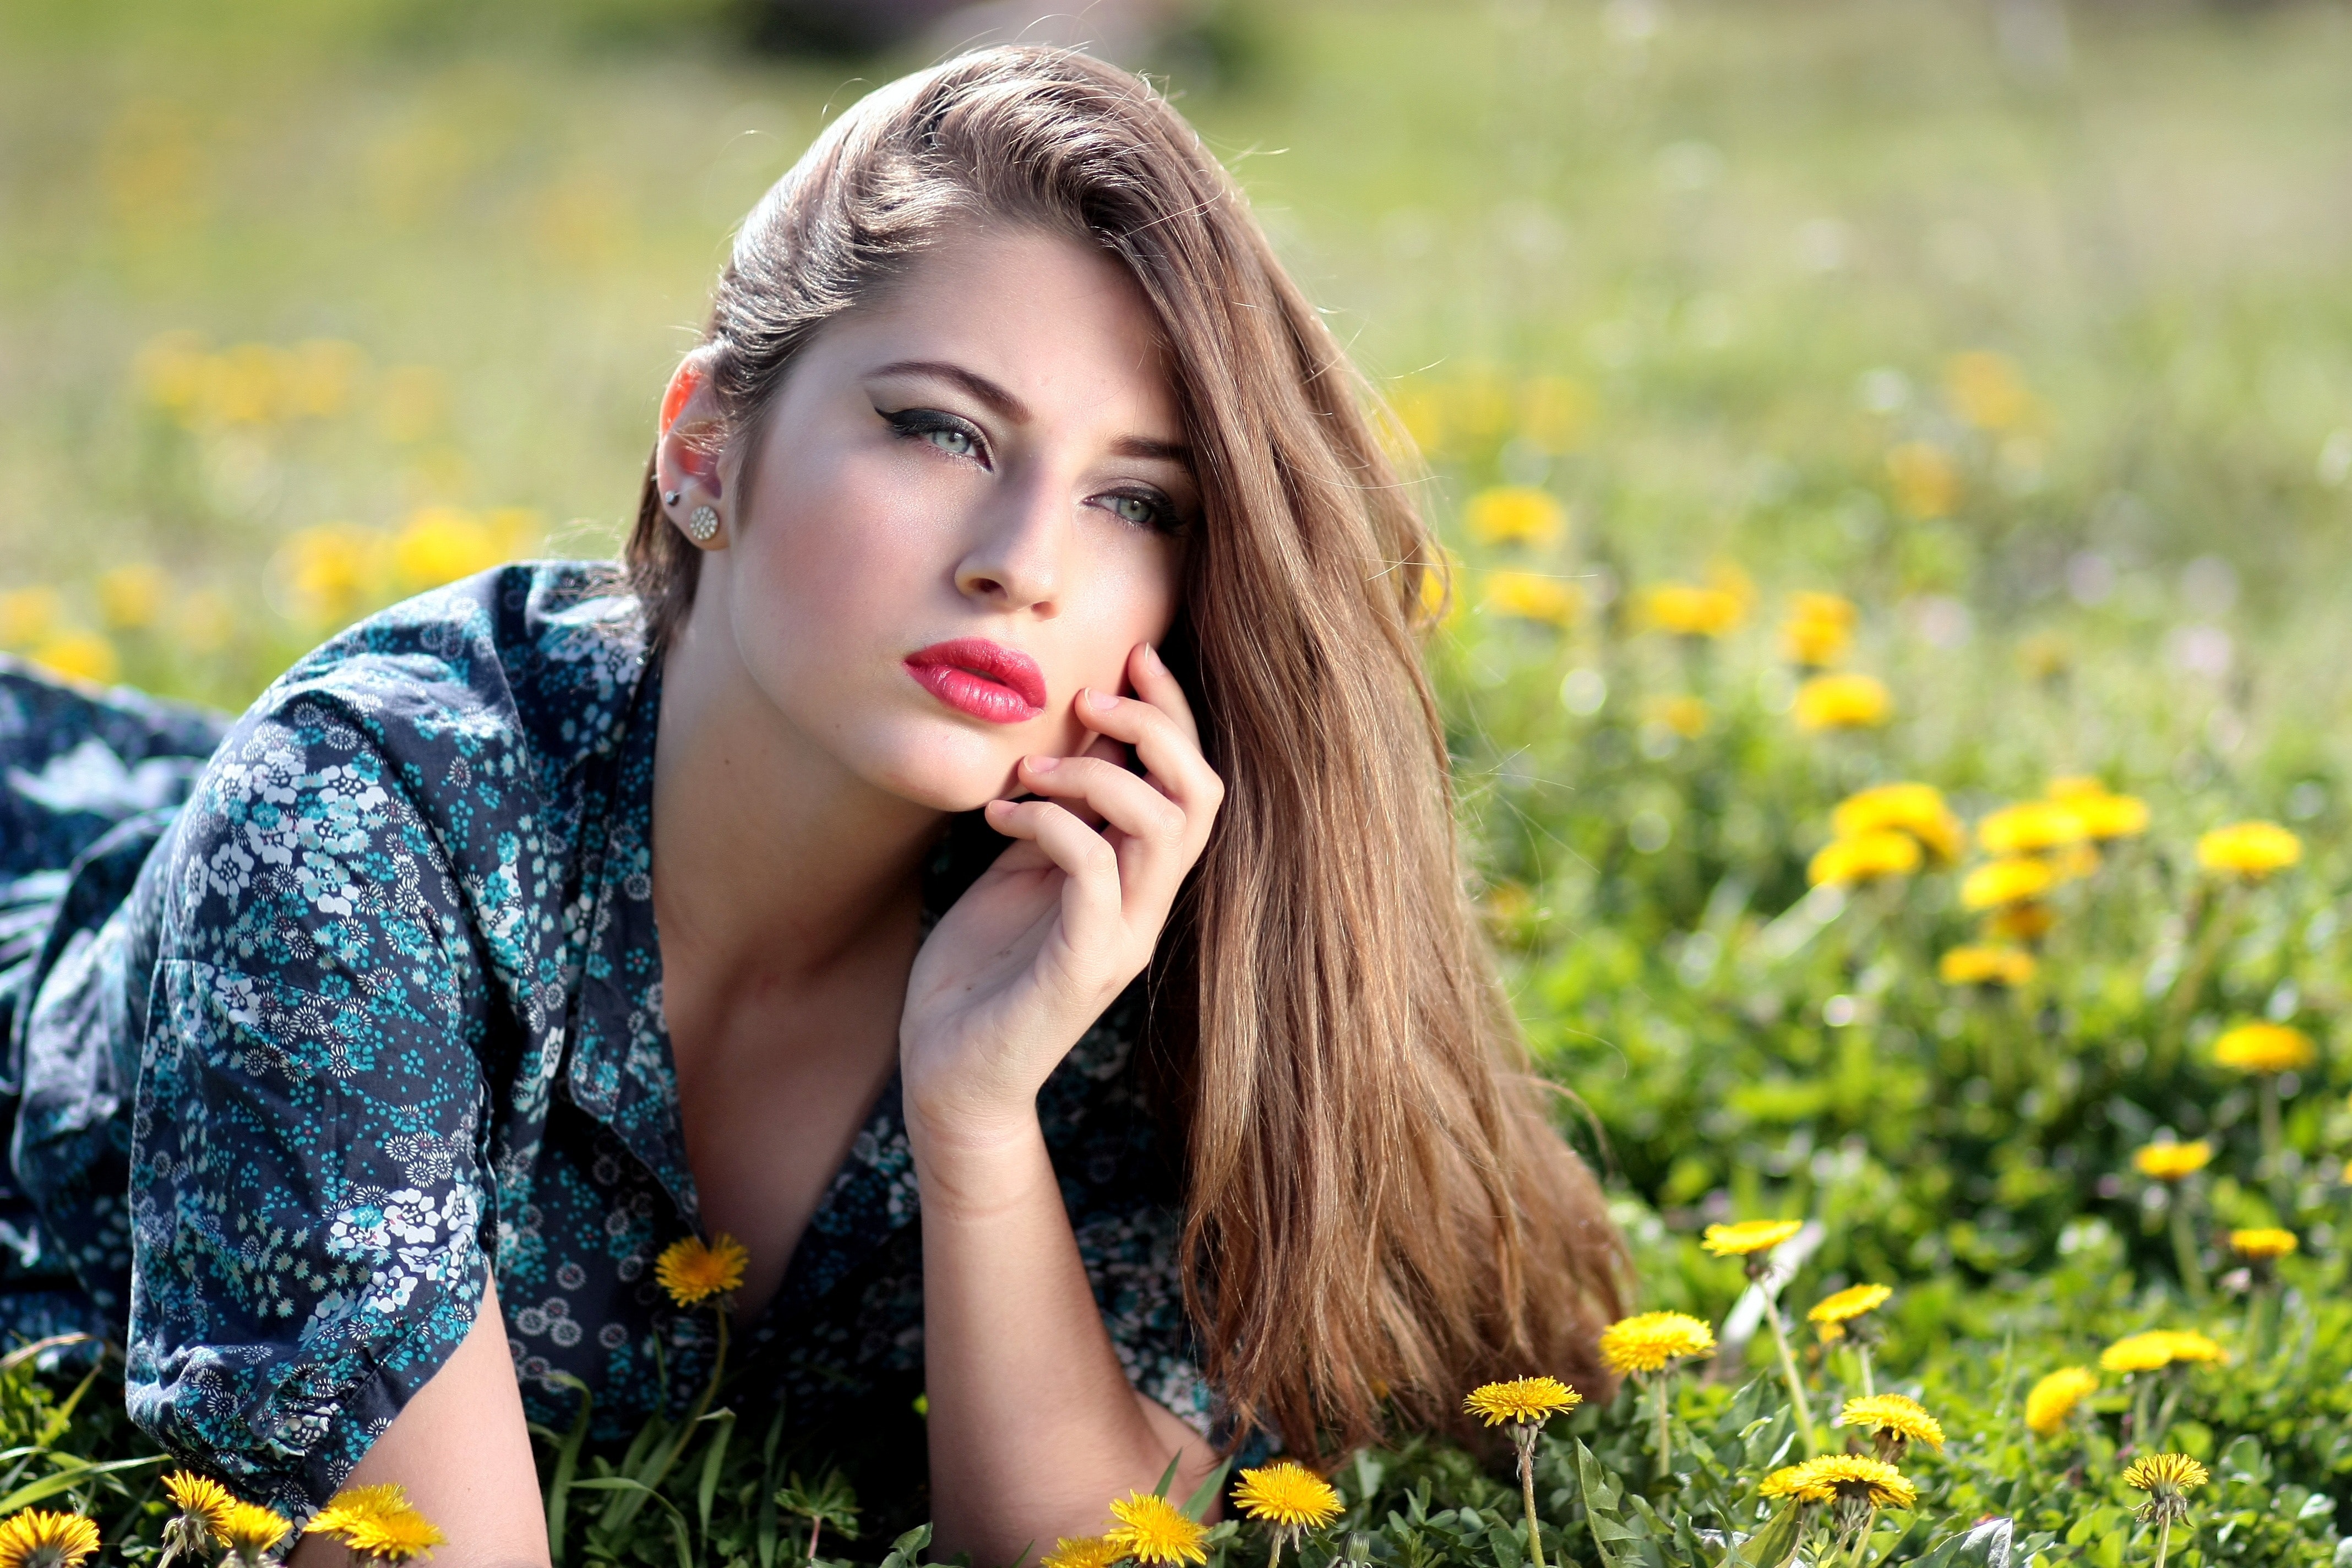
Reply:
x=2022 y=327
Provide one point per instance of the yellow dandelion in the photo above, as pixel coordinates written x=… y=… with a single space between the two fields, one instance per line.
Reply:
x=1843 y=862
x=1522 y=1400
x=1531 y=596
x=693 y=1272
x=1819 y=629
x=1986 y=390
x=1688 y=610
x=1925 y=480
x=1986 y=964
x=1834 y=1311
x=250 y=1530
x=2167 y=1479
x=2104 y=815
x=2013 y=880
x=377 y=1522
x=38 y=1538
x=1084 y=1552
x=2249 y=850
x=81 y=655
x=2172 y=1162
x=2187 y=1345
x=2054 y=1397
x=1898 y=1415
x=2137 y=1353
x=199 y=1498
x=2265 y=1048
x=1844 y=702
x=1908 y=806
x=1153 y=1530
x=2028 y=922
x=1515 y=514
x=2031 y=827
x=1684 y=714
x=1652 y=1341
x=2264 y=1244
x=1288 y=1496
x=1855 y=1477
x=1792 y=1480
x=1749 y=1235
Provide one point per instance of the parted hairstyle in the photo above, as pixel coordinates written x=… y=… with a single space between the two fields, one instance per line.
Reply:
x=1377 y=1206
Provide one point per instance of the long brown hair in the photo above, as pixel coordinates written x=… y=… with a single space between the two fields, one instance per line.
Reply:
x=1377 y=1205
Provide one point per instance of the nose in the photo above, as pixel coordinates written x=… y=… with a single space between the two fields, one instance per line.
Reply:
x=1016 y=563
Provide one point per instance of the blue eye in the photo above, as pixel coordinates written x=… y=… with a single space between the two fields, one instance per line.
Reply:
x=1132 y=508
x=955 y=443
x=956 y=438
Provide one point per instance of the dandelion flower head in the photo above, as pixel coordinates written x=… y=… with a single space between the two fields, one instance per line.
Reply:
x=2031 y=828
x=2104 y=815
x=1688 y=610
x=1819 y=629
x=1651 y=1342
x=2013 y=880
x=2192 y=1346
x=1986 y=964
x=2172 y=1162
x=1531 y=596
x=200 y=1497
x=37 y=1538
x=1848 y=702
x=1523 y=1400
x=378 y=1522
x=1790 y=1480
x=1832 y=1313
x=1083 y=1552
x=2053 y=1399
x=2167 y=1479
x=1843 y=862
x=2263 y=1243
x=1749 y=1236
x=1153 y=1530
x=1907 y=806
x=693 y=1272
x=1899 y=1413
x=2249 y=850
x=2265 y=1048
x=1515 y=514
x=2157 y=1349
x=1856 y=1477
x=1288 y=1495
x=249 y=1530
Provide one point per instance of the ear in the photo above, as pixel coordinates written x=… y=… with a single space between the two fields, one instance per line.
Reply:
x=687 y=455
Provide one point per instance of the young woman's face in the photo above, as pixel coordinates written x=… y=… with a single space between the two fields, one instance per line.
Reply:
x=967 y=503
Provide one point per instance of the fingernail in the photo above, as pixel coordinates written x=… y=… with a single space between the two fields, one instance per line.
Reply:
x=1044 y=765
x=1100 y=701
x=1151 y=657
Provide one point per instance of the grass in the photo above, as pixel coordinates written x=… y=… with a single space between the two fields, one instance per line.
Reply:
x=2039 y=355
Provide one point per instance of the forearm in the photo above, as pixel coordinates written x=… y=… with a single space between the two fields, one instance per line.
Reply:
x=1034 y=1426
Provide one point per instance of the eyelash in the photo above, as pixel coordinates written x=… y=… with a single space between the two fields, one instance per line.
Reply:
x=918 y=424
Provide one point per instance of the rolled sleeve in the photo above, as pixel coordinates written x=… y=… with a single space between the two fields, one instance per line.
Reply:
x=308 y=1197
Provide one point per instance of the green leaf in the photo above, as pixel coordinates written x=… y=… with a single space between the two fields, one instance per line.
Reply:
x=567 y=1466
x=1775 y=1546
x=1212 y=1486
x=709 y=1486
x=75 y=1472
x=1168 y=1476
x=1601 y=1492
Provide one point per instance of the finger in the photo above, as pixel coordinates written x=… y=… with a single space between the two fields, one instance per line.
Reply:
x=1170 y=754
x=1157 y=684
x=1091 y=908
x=1124 y=800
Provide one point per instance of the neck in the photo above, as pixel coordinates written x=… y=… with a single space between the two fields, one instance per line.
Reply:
x=772 y=863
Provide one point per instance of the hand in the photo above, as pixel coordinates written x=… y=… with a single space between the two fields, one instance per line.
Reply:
x=1033 y=952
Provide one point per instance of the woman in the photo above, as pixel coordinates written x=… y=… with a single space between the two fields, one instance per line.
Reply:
x=1048 y=835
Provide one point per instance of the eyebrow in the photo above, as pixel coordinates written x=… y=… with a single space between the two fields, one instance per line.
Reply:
x=1002 y=399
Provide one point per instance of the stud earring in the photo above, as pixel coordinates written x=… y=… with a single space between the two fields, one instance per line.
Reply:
x=671 y=497
x=703 y=526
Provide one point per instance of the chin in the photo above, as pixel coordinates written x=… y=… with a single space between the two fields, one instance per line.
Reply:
x=953 y=772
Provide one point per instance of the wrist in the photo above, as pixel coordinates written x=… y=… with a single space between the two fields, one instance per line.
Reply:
x=972 y=1165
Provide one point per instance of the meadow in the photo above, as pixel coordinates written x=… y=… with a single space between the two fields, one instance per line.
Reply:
x=1897 y=460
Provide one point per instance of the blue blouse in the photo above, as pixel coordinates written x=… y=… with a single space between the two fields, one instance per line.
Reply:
x=377 y=1014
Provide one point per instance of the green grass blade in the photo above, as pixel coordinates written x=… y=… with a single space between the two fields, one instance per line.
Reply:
x=567 y=1466
x=1207 y=1493
x=71 y=1476
x=1168 y=1476
x=709 y=1486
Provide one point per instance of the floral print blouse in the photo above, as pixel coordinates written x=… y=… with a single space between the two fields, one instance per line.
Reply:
x=376 y=1015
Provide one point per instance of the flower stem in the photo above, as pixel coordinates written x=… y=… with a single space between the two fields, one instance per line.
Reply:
x=1862 y=1349
x=1665 y=1431
x=2273 y=1147
x=2184 y=1247
x=1275 y=1556
x=1523 y=1438
x=1796 y=1385
x=816 y=1523
x=2163 y=1540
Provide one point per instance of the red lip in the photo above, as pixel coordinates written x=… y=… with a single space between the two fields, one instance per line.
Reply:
x=985 y=679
